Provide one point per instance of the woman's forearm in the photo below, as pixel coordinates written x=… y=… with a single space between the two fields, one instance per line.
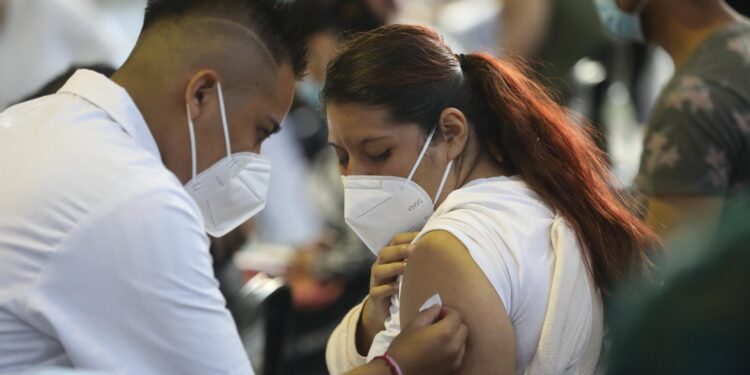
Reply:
x=366 y=328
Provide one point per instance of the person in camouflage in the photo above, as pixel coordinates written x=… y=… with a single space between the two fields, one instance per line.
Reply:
x=696 y=153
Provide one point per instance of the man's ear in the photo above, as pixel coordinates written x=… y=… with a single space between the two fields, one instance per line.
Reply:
x=455 y=130
x=200 y=92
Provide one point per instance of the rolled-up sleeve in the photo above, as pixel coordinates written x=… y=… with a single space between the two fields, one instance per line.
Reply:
x=341 y=352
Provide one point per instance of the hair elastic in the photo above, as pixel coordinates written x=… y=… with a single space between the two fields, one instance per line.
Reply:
x=462 y=60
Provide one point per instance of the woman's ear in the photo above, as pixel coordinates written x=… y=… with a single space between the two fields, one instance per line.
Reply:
x=200 y=91
x=455 y=130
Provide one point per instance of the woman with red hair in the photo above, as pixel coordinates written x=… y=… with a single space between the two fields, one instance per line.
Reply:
x=518 y=227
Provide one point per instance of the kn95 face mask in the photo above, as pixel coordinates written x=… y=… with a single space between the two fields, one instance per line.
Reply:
x=233 y=189
x=379 y=207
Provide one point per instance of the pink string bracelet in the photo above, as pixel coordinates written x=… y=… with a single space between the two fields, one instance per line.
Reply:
x=395 y=369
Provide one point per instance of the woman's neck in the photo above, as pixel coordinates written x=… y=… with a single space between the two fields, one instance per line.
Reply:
x=681 y=34
x=485 y=166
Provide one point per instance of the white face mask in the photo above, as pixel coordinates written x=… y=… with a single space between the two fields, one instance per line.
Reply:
x=379 y=207
x=234 y=189
x=621 y=24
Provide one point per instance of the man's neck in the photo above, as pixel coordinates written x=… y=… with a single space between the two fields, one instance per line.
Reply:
x=141 y=88
x=681 y=39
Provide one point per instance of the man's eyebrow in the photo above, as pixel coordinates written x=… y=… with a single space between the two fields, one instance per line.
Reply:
x=330 y=143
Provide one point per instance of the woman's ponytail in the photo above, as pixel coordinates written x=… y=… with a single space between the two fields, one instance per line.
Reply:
x=560 y=161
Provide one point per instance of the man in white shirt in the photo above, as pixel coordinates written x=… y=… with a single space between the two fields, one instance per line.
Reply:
x=104 y=260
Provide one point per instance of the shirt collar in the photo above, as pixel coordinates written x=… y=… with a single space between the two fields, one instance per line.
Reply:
x=115 y=101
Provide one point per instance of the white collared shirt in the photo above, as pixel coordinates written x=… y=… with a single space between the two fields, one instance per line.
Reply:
x=104 y=263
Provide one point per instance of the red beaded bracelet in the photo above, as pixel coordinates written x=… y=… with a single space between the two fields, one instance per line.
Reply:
x=395 y=370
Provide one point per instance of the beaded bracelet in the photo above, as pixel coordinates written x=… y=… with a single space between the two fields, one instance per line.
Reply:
x=395 y=369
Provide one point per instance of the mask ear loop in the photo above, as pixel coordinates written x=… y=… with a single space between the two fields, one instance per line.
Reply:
x=192 y=140
x=422 y=153
x=224 y=119
x=442 y=182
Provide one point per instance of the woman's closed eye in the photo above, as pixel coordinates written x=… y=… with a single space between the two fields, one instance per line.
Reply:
x=381 y=156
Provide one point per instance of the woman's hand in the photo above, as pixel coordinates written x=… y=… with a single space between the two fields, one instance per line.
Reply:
x=390 y=264
x=434 y=342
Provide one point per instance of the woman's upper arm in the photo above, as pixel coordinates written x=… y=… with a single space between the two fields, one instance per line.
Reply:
x=442 y=264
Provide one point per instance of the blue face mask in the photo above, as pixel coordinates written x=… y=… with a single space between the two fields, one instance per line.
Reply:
x=623 y=25
x=309 y=90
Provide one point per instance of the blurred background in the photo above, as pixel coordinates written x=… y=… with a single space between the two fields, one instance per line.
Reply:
x=292 y=273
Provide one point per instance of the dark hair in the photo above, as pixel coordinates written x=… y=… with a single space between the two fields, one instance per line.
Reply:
x=409 y=71
x=344 y=17
x=269 y=19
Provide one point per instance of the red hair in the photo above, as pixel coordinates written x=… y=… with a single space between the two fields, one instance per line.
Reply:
x=409 y=71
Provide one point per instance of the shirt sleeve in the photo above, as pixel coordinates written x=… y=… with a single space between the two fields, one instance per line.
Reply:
x=132 y=291
x=470 y=230
x=341 y=350
x=498 y=264
x=694 y=143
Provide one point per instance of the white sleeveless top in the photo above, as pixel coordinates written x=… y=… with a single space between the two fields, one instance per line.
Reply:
x=510 y=233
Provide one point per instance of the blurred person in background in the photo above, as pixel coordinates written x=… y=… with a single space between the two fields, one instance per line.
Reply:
x=571 y=54
x=58 y=82
x=695 y=155
x=110 y=186
x=552 y=35
x=697 y=322
x=40 y=39
x=321 y=24
x=518 y=228
x=328 y=269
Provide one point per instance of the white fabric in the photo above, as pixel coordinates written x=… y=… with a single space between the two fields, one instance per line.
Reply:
x=509 y=233
x=574 y=313
x=43 y=38
x=432 y=301
x=104 y=264
x=341 y=351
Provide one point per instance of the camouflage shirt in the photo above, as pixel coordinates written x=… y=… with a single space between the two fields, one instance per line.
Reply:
x=698 y=137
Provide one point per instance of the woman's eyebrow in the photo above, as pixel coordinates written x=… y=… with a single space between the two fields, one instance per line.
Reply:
x=372 y=139
x=362 y=142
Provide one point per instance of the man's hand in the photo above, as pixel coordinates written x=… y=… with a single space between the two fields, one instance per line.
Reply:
x=434 y=342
